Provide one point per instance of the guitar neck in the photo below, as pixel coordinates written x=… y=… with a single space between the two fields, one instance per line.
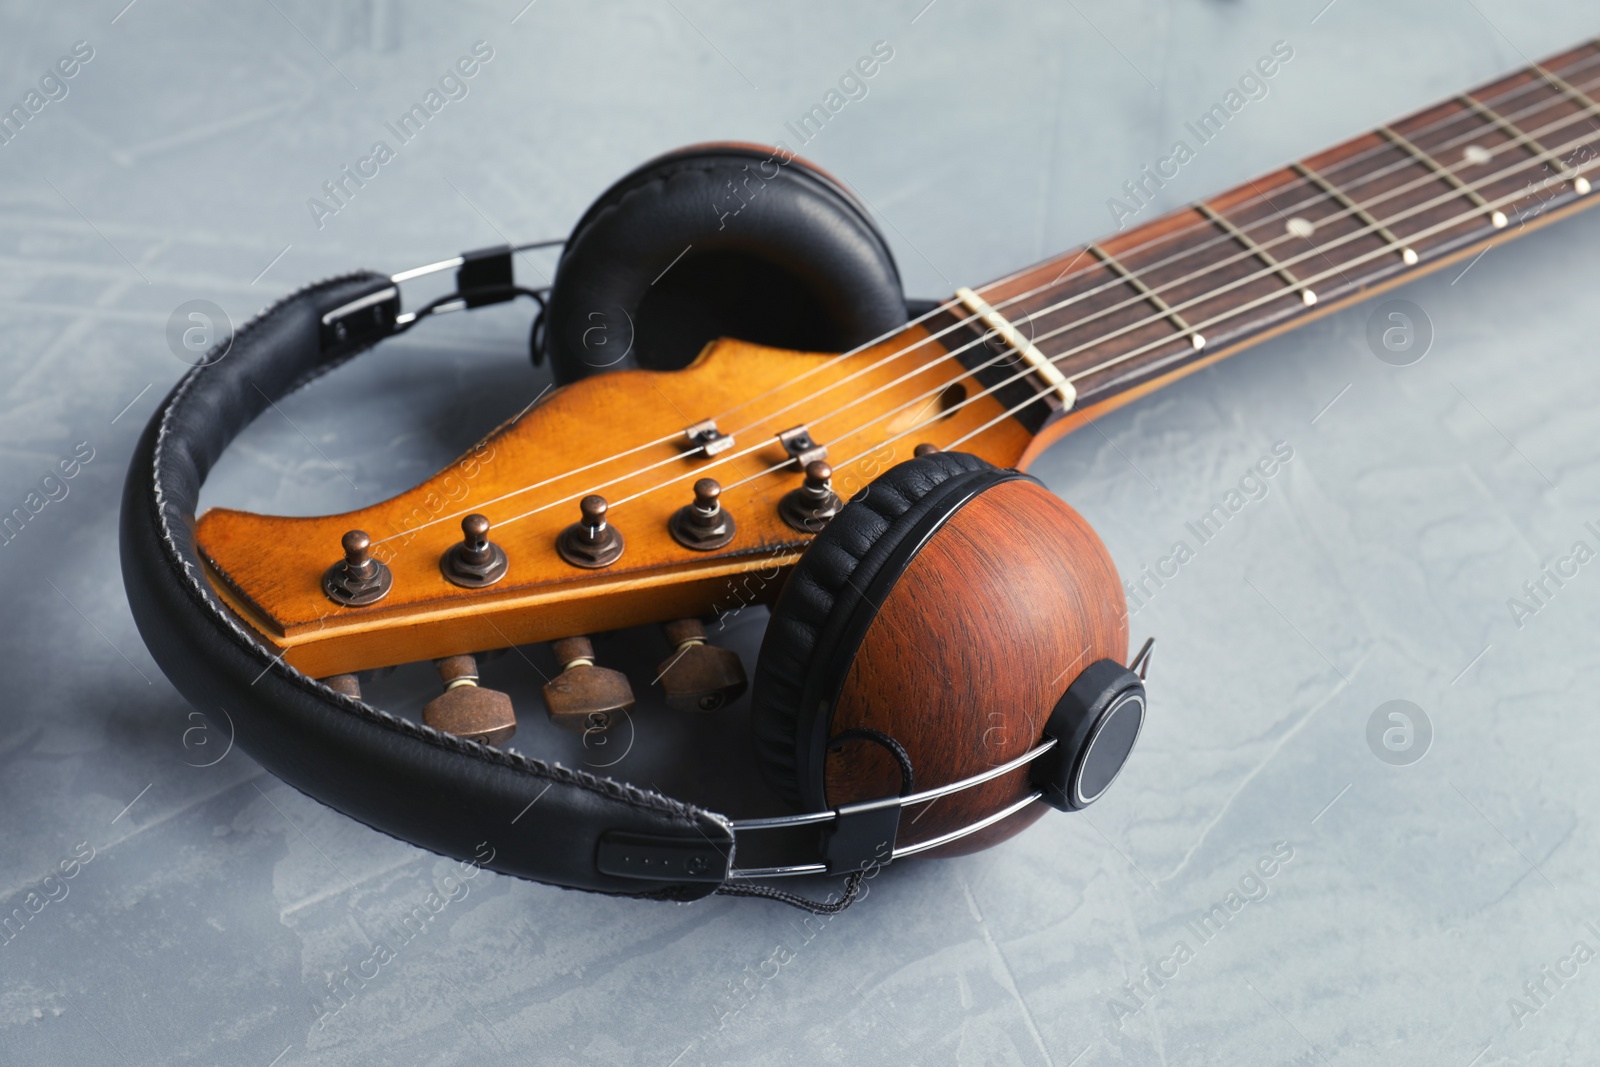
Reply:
x=1120 y=317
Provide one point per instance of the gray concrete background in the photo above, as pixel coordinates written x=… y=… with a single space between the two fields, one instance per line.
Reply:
x=219 y=903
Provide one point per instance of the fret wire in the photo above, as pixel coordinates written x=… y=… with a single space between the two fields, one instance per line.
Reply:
x=1541 y=154
x=1392 y=245
x=1393 y=242
x=1373 y=226
x=1516 y=91
x=1381 y=252
x=1496 y=218
x=1378 y=253
x=1592 y=108
x=1260 y=198
x=1307 y=296
x=1578 y=66
x=1150 y=295
x=1407 y=254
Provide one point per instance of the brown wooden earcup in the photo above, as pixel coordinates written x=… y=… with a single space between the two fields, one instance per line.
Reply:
x=718 y=240
x=949 y=606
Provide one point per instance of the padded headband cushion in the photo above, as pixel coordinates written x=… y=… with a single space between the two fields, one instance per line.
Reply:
x=812 y=620
x=441 y=792
x=719 y=240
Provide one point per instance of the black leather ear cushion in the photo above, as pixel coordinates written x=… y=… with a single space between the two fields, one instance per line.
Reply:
x=719 y=240
x=825 y=587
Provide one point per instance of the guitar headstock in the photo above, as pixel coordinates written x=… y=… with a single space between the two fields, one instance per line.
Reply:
x=639 y=440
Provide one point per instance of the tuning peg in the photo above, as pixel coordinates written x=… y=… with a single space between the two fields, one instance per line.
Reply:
x=809 y=507
x=358 y=578
x=699 y=676
x=583 y=696
x=704 y=525
x=474 y=561
x=591 y=541
x=466 y=709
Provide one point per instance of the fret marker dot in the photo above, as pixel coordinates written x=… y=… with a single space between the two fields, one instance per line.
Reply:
x=1580 y=186
x=1477 y=155
x=1307 y=297
x=1498 y=220
x=1300 y=227
x=1198 y=341
x=1408 y=257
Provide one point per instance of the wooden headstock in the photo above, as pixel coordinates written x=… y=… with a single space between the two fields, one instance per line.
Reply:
x=620 y=435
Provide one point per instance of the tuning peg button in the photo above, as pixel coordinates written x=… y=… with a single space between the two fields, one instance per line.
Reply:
x=358 y=578
x=809 y=507
x=591 y=541
x=474 y=561
x=465 y=708
x=704 y=525
x=583 y=696
x=699 y=676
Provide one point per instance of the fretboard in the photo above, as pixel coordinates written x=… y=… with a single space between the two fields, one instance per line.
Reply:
x=1212 y=277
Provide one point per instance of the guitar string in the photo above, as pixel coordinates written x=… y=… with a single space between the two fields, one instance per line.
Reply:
x=1140 y=298
x=1389 y=248
x=1220 y=239
x=1247 y=254
x=1386 y=249
x=1323 y=196
x=1206 y=224
x=667 y=439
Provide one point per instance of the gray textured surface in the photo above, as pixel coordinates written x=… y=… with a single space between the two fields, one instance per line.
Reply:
x=1377 y=567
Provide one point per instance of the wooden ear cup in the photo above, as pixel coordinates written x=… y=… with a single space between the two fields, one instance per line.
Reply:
x=961 y=603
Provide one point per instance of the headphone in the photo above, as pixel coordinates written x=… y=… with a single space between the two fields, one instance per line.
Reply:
x=860 y=710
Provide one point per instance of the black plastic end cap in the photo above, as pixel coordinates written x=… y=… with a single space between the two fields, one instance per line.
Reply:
x=665 y=859
x=486 y=276
x=1095 y=724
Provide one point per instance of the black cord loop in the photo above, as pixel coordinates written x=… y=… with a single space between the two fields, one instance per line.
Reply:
x=894 y=748
x=852 y=889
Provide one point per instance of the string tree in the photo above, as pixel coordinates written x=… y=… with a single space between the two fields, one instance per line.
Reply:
x=705 y=437
x=802 y=447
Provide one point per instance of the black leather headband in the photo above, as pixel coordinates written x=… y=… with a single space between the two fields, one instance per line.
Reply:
x=441 y=792
x=460 y=798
